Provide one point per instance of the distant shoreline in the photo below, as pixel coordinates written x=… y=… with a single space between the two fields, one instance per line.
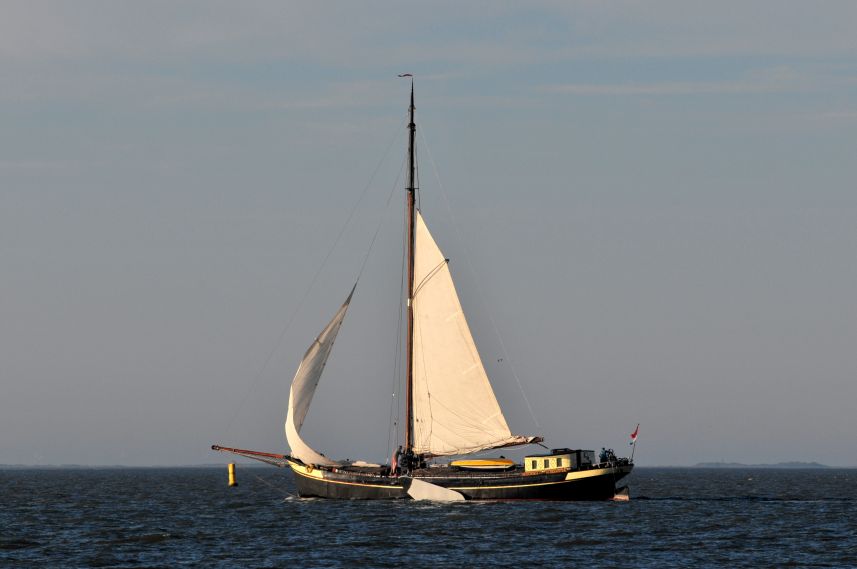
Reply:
x=793 y=465
x=120 y=466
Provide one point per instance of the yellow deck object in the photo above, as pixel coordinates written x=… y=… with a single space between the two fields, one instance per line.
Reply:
x=484 y=464
x=232 y=480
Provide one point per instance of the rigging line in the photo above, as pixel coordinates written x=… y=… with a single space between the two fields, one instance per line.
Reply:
x=381 y=221
x=478 y=286
x=375 y=237
x=432 y=273
x=464 y=421
x=235 y=514
x=256 y=491
x=372 y=244
x=431 y=401
x=393 y=426
x=309 y=288
x=418 y=330
x=271 y=485
x=403 y=317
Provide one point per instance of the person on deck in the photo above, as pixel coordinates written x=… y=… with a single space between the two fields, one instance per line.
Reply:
x=394 y=467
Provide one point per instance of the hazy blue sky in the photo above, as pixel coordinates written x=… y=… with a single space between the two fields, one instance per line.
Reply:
x=657 y=200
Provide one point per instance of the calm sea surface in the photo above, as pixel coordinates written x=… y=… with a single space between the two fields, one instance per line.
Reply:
x=175 y=517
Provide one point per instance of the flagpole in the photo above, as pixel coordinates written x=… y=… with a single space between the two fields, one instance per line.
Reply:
x=634 y=442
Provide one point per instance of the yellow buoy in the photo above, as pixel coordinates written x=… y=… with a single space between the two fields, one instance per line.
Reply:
x=232 y=481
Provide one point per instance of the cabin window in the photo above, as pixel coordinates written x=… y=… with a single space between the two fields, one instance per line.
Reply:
x=558 y=462
x=547 y=463
x=534 y=465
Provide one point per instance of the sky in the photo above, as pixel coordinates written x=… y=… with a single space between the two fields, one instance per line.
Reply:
x=649 y=207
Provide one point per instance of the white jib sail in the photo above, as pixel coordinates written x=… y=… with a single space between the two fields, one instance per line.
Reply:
x=303 y=388
x=454 y=407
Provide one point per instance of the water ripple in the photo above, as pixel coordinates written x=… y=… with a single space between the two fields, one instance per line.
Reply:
x=188 y=517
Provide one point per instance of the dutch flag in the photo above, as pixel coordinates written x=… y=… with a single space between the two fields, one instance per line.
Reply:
x=634 y=434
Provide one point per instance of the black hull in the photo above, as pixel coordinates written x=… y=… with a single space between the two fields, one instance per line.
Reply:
x=594 y=484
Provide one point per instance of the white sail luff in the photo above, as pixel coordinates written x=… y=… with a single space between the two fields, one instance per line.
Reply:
x=303 y=388
x=454 y=407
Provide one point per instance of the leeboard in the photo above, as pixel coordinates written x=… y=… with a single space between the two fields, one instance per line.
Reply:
x=421 y=490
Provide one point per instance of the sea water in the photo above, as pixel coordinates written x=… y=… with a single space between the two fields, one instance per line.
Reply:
x=170 y=517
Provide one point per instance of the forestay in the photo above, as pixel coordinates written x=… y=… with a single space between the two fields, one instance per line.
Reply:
x=454 y=407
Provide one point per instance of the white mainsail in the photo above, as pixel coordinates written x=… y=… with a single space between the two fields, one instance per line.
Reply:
x=454 y=407
x=303 y=388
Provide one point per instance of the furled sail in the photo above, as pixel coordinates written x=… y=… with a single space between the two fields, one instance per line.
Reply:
x=454 y=407
x=303 y=388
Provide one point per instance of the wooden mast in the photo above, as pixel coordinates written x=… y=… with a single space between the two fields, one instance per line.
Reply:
x=409 y=401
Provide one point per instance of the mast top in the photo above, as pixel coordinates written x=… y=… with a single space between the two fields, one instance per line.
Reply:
x=411 y=108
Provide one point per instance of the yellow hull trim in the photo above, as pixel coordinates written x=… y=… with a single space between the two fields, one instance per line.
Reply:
x=309 y=472
x=591 y=473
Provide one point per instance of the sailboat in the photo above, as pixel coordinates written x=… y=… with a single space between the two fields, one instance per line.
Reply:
x=451 y=412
